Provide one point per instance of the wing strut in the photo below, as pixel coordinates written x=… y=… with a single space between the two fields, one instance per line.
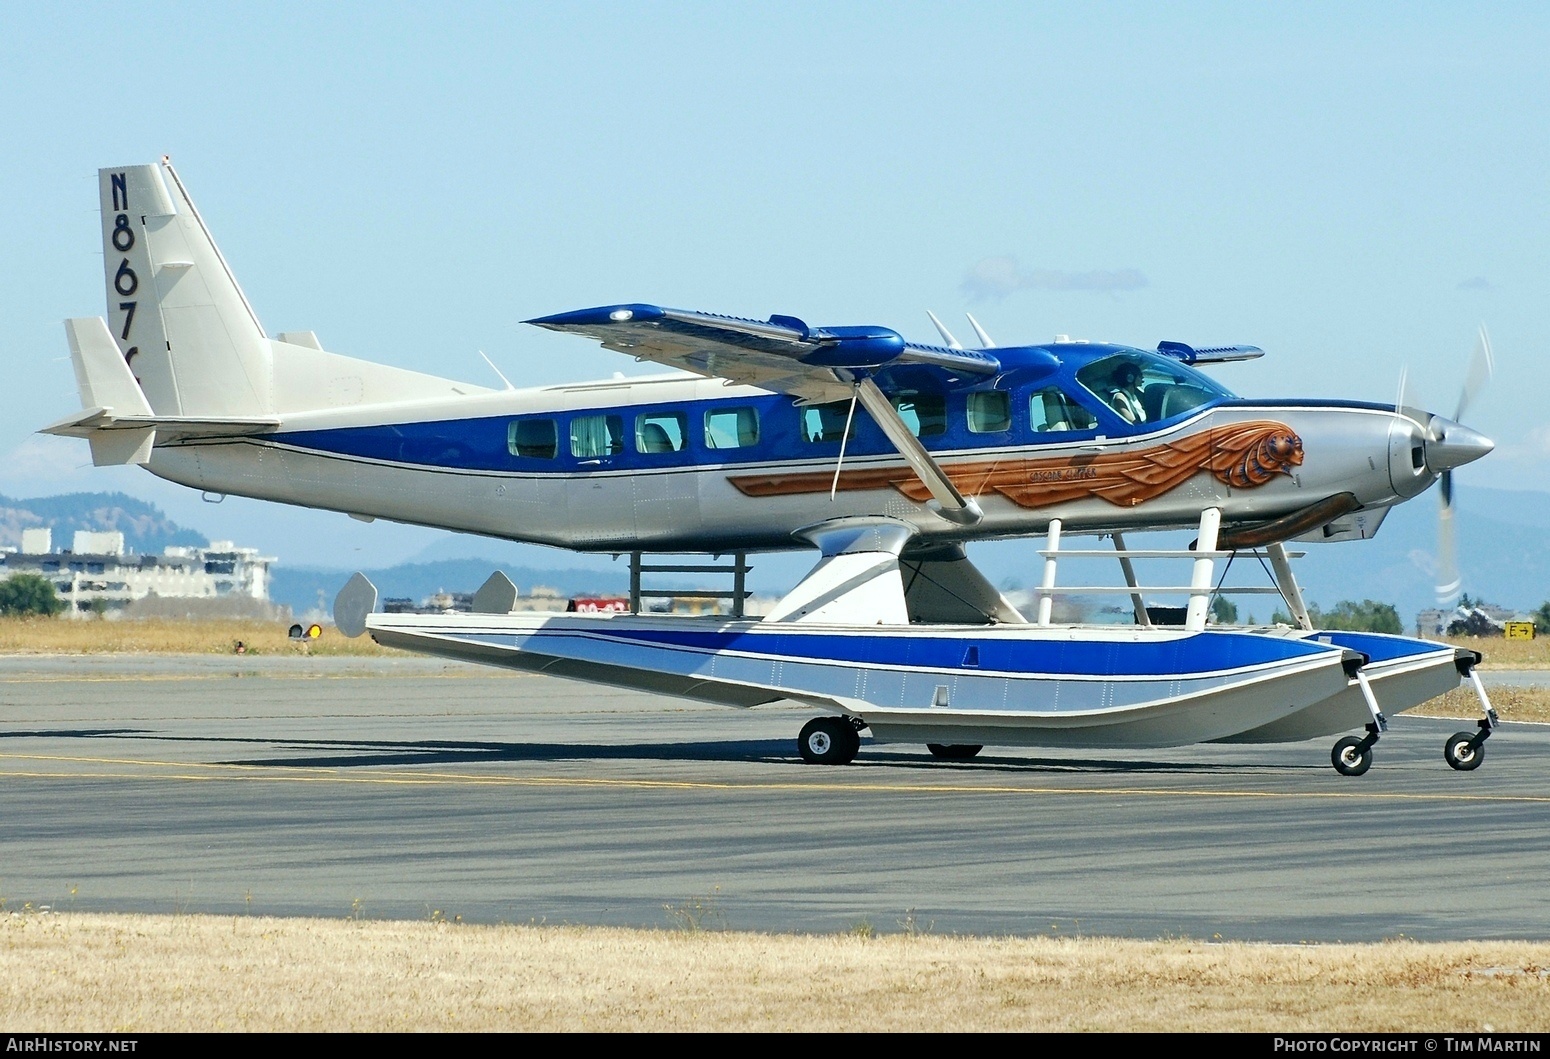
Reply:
x=844 y=441
x=950 y=503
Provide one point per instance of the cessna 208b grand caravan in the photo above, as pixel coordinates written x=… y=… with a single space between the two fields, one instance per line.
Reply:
x=883 y=454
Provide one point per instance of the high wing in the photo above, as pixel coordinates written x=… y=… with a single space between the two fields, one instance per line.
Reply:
x=781 y=354
x=784 y=355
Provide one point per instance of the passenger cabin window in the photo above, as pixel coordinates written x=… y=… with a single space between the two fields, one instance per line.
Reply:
x=990 y=413
x=535 y=439
x=1051 y=411
x=596 y=436
x=924 y=413
x=826 y=422
x=1143 y=388
x=661 y=432
x=731 y=428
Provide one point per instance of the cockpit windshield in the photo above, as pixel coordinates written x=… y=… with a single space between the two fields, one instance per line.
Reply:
x=1145 y=388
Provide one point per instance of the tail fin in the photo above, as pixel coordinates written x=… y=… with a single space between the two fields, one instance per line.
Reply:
x=174 y=309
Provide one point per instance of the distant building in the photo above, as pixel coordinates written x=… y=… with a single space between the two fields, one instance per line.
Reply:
x=444 y=602
x=97 y=575
x=1481 y=619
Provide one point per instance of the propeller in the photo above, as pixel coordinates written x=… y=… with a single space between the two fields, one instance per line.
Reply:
x=1465 y=444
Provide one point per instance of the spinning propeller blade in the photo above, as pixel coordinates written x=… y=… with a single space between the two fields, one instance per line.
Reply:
x=1404 y=401
x=1481 y=365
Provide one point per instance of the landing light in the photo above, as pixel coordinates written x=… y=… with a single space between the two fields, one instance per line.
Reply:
x=620 y=315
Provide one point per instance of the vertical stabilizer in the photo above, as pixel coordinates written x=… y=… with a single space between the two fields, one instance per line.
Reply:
x=174 y=309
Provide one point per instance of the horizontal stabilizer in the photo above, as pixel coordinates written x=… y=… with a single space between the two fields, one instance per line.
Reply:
x=92 y=421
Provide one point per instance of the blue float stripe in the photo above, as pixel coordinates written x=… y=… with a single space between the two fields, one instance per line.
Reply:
x=1186 y=656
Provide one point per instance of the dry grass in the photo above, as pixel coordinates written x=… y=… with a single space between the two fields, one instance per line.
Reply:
x=1530 y=703
x=177 y=973
x=169 y=636
x=1507 y=654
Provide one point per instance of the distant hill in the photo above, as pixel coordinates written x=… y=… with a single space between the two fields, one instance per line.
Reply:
x=146 y=528
x=303 y=589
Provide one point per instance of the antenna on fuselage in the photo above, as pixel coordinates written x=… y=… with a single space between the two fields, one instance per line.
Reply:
x=986 y=342
x=497 y=371
x=941 y=329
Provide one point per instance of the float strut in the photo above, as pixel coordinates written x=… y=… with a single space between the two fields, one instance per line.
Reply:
x=1489 y=722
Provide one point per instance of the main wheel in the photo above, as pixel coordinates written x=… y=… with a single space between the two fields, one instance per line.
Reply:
x=1460 y=754
x=1350 y=757
x=954 y=751
x=828 y=741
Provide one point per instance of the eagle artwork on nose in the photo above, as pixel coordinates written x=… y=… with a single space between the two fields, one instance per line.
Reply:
x=1274 y=452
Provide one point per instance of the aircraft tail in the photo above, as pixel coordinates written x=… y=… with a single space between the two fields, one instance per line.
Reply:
x=180 y=321
x=190 y=338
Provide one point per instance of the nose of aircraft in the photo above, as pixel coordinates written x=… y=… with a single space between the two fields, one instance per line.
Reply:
x=1452 y=445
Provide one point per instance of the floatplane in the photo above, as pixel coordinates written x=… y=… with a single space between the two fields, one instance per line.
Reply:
x=886 y=456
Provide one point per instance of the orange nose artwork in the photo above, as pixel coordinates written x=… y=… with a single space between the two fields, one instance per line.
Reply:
x=1242 y=455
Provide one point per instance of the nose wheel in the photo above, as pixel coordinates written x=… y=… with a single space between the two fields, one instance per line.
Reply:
x=1352 y=755
x=1465 y=751
x=829 y=741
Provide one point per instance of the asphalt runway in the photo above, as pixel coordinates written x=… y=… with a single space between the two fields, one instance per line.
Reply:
x=416 y=788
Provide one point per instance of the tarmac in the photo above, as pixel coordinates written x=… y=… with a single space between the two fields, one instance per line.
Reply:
x=416 y=788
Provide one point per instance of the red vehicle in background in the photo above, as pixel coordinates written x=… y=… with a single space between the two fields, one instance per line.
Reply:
x=599 y=605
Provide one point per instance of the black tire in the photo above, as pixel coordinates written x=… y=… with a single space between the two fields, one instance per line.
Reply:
x=828 y=741
x=1460 y=755
x=954 y=751
x=1350 y=757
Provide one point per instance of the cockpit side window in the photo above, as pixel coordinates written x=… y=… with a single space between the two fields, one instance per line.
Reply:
x=990 y=411
x=1050 y=411
x=1143 y=388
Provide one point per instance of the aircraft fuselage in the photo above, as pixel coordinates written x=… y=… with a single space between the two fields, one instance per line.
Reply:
x=576 y=466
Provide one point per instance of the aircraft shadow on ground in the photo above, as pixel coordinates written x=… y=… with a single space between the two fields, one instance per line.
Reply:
x=77 y=733
x=358 y=753
x=333 y=753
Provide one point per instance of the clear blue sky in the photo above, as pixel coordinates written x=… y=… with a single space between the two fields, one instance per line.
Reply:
x=1352 y=187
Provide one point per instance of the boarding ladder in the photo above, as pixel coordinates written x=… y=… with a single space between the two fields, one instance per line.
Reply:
x=738 y=569
x=1200 y=589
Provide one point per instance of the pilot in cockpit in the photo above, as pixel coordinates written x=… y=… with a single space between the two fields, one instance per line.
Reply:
x=1125 y=392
